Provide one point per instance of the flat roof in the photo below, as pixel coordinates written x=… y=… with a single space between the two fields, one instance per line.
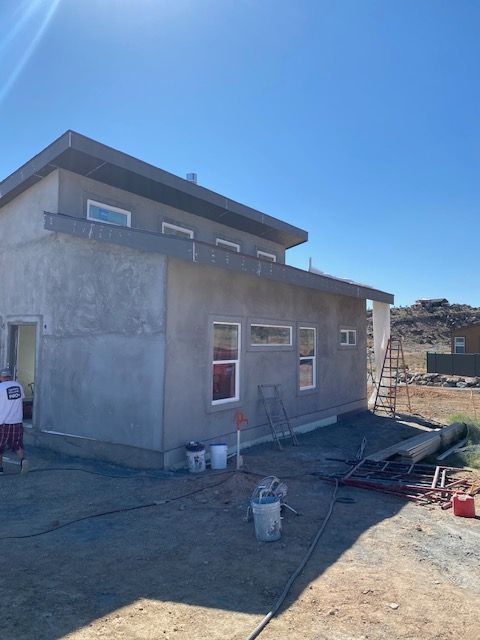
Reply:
x=87 y=157
x=207 y=254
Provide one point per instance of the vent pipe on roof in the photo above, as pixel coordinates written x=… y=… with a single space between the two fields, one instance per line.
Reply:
x=192 y=177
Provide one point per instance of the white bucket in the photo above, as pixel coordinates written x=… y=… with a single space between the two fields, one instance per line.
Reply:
x=266 y=516
x=195 y=457
x=218 y=456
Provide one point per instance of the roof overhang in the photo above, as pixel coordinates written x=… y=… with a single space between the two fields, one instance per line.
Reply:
x=87 y=157
x=203 y=253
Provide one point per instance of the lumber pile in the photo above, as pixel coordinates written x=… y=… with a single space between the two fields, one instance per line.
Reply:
x=423 y=445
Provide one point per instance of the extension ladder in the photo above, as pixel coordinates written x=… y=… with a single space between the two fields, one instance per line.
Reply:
x=393 y=366
x=276 y=414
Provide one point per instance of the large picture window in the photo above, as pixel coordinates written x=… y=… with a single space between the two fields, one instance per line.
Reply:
x=226 y=362
x=270 y=335
x=307 y=349
x=105 y=213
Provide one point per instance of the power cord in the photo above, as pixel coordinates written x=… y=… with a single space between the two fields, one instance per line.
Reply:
x=155 y=503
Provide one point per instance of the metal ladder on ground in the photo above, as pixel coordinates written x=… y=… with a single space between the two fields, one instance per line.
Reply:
x=276 y=414
x=393 y=367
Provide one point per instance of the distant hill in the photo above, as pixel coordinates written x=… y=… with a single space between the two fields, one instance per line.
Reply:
x=428 y=327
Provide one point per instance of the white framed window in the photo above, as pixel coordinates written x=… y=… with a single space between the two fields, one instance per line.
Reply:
x=226 y=244
x=226 y=362
x=264 y=255
x=170 y=229
x=348 y=337
x=270 y=335
x=459 y=344
x=307 y=352
x=105 y=213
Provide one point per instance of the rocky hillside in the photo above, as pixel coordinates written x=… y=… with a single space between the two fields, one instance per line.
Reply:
x=427 y=327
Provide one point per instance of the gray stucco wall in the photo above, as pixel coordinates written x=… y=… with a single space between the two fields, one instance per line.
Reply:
x=149 y=215
x=198 y=295
x=124 y=337
x=100 y=313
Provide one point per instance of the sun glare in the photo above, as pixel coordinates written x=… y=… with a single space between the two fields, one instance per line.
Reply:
x=25 y=12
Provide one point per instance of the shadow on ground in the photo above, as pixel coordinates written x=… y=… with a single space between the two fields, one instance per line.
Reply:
x=196 y=551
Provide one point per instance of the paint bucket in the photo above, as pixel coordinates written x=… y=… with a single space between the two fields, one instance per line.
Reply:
x=266 y=516
x=218 y=456
x=195 y=457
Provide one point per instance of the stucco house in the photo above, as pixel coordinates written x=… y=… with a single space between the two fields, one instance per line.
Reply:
x=141 y=310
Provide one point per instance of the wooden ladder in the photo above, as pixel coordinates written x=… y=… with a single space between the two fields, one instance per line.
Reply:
x=276 y=414
x=393 y=366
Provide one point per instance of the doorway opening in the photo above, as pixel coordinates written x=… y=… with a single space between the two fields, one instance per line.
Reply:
x=22 y=360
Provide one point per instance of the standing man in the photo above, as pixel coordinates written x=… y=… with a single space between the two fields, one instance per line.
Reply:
x=11 y=418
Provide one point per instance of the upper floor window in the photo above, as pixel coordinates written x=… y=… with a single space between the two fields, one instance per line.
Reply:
x=270 y=335
x=348 y=337
x=105 y=213
x=226 y=244
x=264 y=255
x=175 y=230
x=459 y=345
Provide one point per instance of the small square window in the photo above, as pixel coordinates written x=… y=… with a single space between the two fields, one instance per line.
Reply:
x=348 y=337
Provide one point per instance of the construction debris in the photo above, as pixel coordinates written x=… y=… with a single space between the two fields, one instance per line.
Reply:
x=415 y=449
x=421 y=483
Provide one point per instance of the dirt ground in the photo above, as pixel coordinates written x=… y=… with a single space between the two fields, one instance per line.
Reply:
x=191 y=567
x=417 y=360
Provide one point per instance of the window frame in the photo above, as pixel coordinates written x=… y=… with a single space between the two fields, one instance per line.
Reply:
x=236 y=398
x=177 y=227
x=271 y=344
x=455 y=338
x=108 y=207
x=348 y=332
x=314 y=358
x=228 y=245
x=265 y=255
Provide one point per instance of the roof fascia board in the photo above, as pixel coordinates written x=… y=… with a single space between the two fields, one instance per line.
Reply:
x=204 y=253
x=34 y=170
x=54 y=156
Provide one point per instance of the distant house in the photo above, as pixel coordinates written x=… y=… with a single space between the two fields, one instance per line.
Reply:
x=466 y=339
x=429 y=303
x=141 y=310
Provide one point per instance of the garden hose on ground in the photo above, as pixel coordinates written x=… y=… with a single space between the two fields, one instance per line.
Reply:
x=297 y=572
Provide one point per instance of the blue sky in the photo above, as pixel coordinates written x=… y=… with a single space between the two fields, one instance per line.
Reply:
x=357 y=120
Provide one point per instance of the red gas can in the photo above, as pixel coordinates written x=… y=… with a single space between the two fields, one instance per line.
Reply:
x=463 y=505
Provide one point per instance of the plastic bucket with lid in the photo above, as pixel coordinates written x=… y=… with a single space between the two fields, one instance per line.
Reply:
x=218 y=456
x=266 y=516
x=195 y=457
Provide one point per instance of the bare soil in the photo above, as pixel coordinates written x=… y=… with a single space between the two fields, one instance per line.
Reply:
x=192 y=569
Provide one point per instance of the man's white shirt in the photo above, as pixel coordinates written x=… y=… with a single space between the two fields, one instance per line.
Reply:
x=11 y=405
